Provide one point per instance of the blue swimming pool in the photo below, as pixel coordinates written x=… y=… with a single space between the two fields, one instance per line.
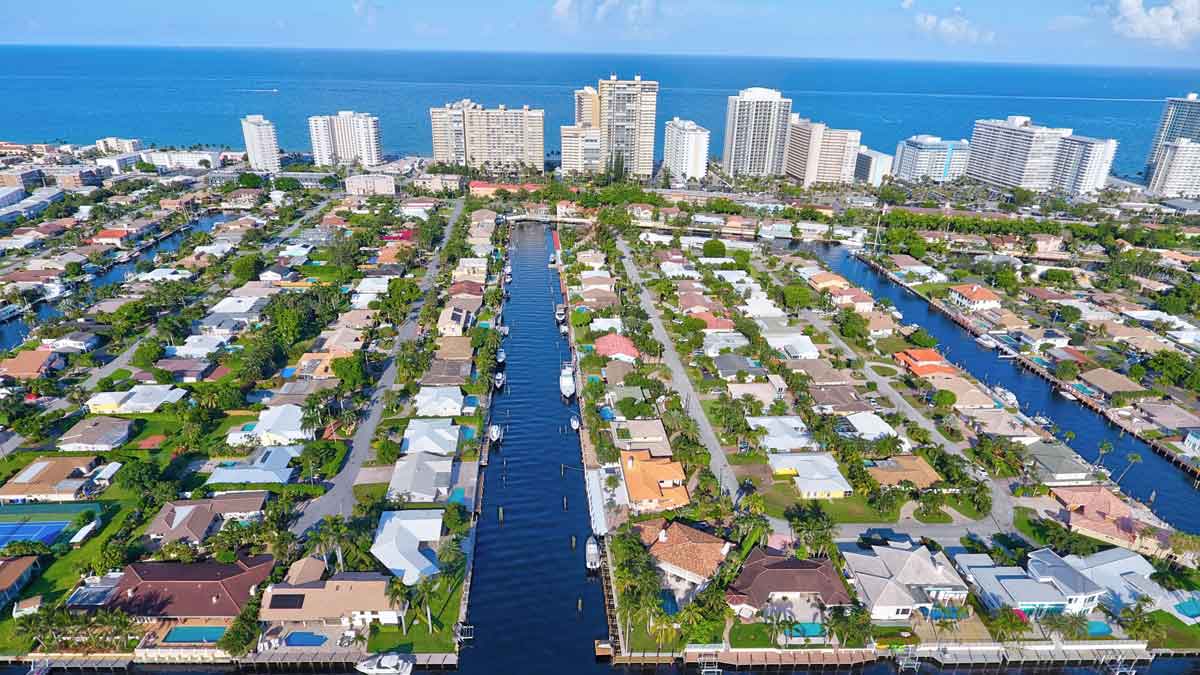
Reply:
x=194 y=634
x=1099 y=629
x=668 y=602
x=471 y=401
x=1084 y=389
x=288 y=372
x=607 y=414
x=806 y=630
x=939 y=613
x=304 y=639
x=468 y=433
x=458 y=496
x=1189 y=608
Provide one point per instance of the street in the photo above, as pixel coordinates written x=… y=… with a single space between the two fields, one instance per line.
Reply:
x=339 y=499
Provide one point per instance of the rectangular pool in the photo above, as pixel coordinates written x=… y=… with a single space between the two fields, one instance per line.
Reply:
x=1189 y=608
x=806 y=630
x=1099 y=629
x=194 y=635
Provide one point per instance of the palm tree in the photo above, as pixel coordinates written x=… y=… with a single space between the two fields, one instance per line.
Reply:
x=1105 y=448
x=1138 y=623
x=1132 y=458
x=332 y=534
x=426 y=590
x=1066 y=626
x=400 y=596
x=1007 y=625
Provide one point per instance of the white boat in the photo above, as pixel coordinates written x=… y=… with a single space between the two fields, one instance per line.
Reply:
x=897 y=315
x=566 y=380
x=508 y=269
x=592 y=554
x=574 y=423
x=508 y=278
x=501 y=357
x=1007 y=397
x=552 y=258
x=495 y=433
x=562 y=329
x=987 y=341
x=386 y=664
x=9 y=311
x=498 y=379
x=560 y=313
x=1067 y=395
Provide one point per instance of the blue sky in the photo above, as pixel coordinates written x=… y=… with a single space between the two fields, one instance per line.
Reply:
x=1117 y=32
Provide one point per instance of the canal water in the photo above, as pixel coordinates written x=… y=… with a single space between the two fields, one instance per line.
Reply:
x=1174 y=498
x=14 y=331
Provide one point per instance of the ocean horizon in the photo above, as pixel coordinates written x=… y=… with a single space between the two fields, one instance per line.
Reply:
x=195 y=95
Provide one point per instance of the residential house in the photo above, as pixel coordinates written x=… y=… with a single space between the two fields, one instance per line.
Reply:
x=720 y=342
x=32 y=364
x=821 y=372
x=617 y=347
x=824 y=282
x=454 y=322
x=197 y=590
x=687 y=558
x=774 y=583
x=653 y=483
x=1055 y=464
x=438 y=402
x=349 y=599
x=95 y=434
x=815 y=474
x=865 y=425
x=598 y=298
x=1097 y=512
x=973 y=297
x=1126 y=579
x=277 y=272
x=14 y=574
x=998 y=587
x=266 y=465
x=1082 y=593
x=454 y=348
x=75 y=342
x=421 y=477
x=784 y=433
x=51 y=479
x=841 y=399
x=437 y=435
x=924 y=362
x=193 y=520
x=732 y=366
x=276 y=426
x=1110 y=383
x=406 y=543
x=901 y=469
x=185 y=370
x=999 y=423
x=852 y=298
x=898 y=580
x=142 y=398
x=967 y=395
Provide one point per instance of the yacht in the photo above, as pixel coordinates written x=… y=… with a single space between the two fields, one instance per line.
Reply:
x=501 y=357
x=986 y=341
x=552 y=258
x=495 y=433
x=566 y=380
x=574 y=423
x=498 y=379
x=9 y=311
x=386 y=664
x=508 y=278
x=896 y=314
x=592 y=554
x=562 y=329
x=560 y=313
x=1067 y=395
x=1006 y=397
x=508 y=270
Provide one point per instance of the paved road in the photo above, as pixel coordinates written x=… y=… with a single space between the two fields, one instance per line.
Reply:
x=718 y=463
x=291 y=229
x=339 y=500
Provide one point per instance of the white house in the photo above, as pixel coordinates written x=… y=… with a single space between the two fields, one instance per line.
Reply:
x=896 y=580
x=786 y=433
x=421 y=477
x=406 y=543
x=142 y=398
x=815 y=474
x=438 y=435
x=280 y=425
x=198 y=346
x=438 y=402
x=973 y=297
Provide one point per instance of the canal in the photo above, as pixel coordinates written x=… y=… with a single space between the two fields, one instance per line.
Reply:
x=1168 y=490
x=14 y=331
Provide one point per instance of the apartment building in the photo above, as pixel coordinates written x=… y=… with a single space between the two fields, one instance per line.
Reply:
x=685 y=150
x=262 y=143
x=114 y=145
x=1177 y=173
x=627 y=111
x=582 y=149
x=756 y=132
x=929 y=157
x=1016 y=153
x=1180 y=120
x=185 y=160
x=466 y=133
x=818 y=154
x=345 y=138
x=872 y=166
x=1083 y=164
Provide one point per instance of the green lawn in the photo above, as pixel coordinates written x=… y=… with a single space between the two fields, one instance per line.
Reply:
x=750 y=635
x=1023 y=518
x=319 y=272
x=853 y=509
x=939 y=518
x=1178 y=634
x=883 y=371
x=419 y=639
x=963 y=506
x=891 y=345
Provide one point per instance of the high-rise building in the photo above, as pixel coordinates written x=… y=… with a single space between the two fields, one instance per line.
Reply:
x=1180 y=119
x=1016 y=153
x=872 y=166
x=1083 y=164
x=587 y=107
x=1177 y=173
x=626 y=120
x=756 y=131
x=501 y=138
x=116 y=145
x=924 y=156
x=262 y=145
x=818 y=154
x=685 y=149
x=345 y=138
x=582 y=150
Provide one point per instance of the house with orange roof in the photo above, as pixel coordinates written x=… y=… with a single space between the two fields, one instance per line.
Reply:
x=827 y=281
x=32 y=364
x=615 y=346
x=854 y=298
x=653 y=484
x=118 y=238
x=1097 y=512
x=973 y=297
x=924 y=362
x=712 y=322
x=687 y=557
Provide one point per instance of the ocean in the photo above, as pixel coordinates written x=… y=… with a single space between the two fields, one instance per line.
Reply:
x=180 y=97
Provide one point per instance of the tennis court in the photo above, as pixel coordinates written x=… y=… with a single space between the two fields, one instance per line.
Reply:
x=43 y=531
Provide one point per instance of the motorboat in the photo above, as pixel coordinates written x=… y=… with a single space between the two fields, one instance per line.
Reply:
x=495 y=433
x=1067 y=395
x=1006 y=397
x=560 y=313
x=8 y=311
x=592 y=554
x=498 y=380
x=508 y=278
x=574 y=423
x=562 y=329
x=552 y=258
x=896 y=314
x=501 y=357
x=1042 y=421
x=386 y=664
x=987 y=341
x=566 y=380
x=508 y=270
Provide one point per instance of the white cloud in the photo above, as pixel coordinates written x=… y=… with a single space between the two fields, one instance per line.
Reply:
x=633 y=15
x=367 y=10
x=954 y=28
x=906 y=4
x=1174 y=23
